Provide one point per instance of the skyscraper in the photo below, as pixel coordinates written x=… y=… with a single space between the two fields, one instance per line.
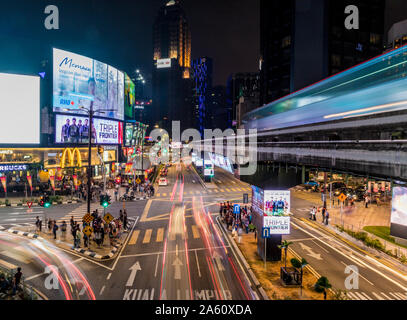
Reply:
x=202 y=77
x=172 y=84
x=304 y=41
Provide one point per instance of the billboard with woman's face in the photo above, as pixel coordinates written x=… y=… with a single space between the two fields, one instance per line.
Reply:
x=80 y=81
x=398 y=220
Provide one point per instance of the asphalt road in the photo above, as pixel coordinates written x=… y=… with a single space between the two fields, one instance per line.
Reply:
x=176 y=251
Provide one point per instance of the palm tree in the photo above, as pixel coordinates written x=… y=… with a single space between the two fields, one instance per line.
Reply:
x=299 y=265
x=284 y=245
x=322 y=285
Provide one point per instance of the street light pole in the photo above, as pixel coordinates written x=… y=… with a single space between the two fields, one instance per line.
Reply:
x=90 y=154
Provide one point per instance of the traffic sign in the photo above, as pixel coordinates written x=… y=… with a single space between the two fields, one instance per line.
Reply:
x=138 y=181
x=236 y=209
x=265 y=233
x=108 y=218
x=342 y=197
x=87 y=218
x=29 y=204
x=245 y=198
x=87 y=230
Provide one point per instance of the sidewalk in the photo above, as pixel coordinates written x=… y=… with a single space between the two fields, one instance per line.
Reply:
x=105 y=251
x=269 y=278
x=355 y=217
x=353 y=220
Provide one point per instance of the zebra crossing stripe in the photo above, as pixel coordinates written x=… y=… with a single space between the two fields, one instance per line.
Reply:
x=353 y=296
x=403 y=297
x=377 y=296
x=397 y=298
x=362 y=293
x=383 y=294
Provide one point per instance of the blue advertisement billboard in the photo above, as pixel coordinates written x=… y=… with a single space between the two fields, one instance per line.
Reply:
x=79 y=81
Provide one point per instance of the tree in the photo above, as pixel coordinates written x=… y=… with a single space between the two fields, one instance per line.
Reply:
x=284 y=245
x=299 y=265
x=322 y=285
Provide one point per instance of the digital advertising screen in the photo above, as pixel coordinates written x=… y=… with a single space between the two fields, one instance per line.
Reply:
x=75 y=130
x=129 y=96
x=79 y=81
x=128 y=134
x=276 y=202
x=258 y=200
x=398 y=219
x=20 y=112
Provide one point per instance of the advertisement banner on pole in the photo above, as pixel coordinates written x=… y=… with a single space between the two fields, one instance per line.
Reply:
x=52 y=180
x=75 y=181
x=30 y=183
x=4 y=183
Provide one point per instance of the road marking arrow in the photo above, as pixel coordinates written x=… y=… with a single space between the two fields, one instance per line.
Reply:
x=218 y=259
x=177 y=264
x=134 y=268
x=310 y=252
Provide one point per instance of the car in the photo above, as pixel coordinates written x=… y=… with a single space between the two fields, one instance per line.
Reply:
x=163 y=182
x=312 y=183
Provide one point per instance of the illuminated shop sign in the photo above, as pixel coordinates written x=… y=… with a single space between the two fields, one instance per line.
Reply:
x=13 y=167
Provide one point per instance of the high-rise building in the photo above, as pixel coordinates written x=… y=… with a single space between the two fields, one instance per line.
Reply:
x=171 y=85
x=219 y=113
x=397 y=35
x=304 y=41
x=202 y=78
x=244 y=84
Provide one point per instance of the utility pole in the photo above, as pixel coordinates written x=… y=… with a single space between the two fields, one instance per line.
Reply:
x=90 y=154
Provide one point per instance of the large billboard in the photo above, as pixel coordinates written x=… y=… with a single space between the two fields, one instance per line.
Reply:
x=398 y=220
x=20 y=112
x=129 y=97
x=276 y=202
x=79 y=81
x=75 y=130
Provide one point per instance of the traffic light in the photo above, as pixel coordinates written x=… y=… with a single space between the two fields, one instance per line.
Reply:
x=41 y=201
x=46 y=201
x=105 y=200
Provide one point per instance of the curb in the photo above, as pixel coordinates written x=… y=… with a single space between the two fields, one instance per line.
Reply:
x=93 y=254
x=253 y=277
x=25 y=234
x=37 y=206
x=88 y=253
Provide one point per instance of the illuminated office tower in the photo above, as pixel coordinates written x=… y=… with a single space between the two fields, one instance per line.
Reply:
x=304 y=41
x=172 y=85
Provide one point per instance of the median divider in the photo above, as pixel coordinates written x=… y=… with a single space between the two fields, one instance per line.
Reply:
x=255 y=284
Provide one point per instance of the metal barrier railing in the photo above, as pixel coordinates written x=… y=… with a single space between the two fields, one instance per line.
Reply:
x=27 y=289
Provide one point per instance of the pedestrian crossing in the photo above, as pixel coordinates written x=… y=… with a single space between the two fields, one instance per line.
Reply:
x=157 y=235
x=79 y=212
x=209 y=191
x=359 y=295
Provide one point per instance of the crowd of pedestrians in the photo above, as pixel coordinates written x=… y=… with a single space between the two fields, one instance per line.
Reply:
x=101 y=229
x=236 y=222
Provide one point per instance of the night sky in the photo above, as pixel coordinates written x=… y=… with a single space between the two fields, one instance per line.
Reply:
x=119 y=32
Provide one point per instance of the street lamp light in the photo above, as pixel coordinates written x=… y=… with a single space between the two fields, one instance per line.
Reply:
x=90 y=113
